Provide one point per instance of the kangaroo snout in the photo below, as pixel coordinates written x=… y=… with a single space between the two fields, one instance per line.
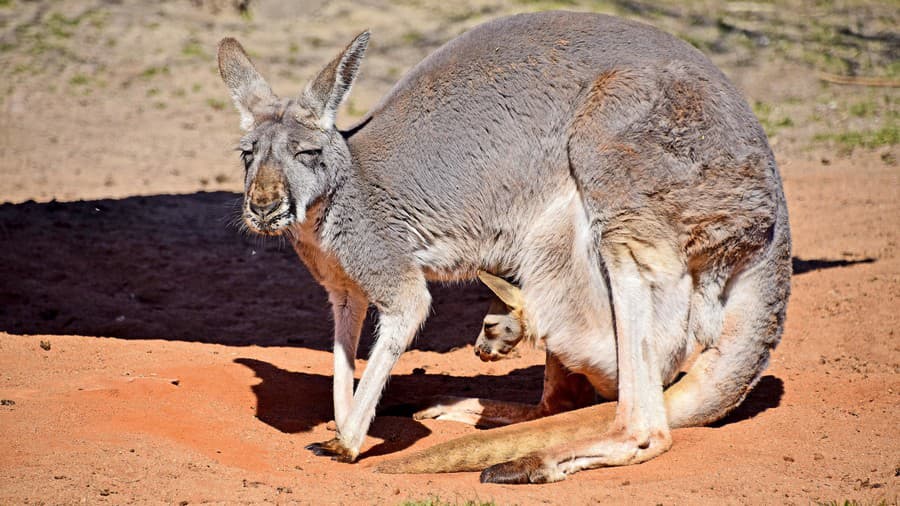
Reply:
x=264 y=209
x=267 y=205
x=268 y=216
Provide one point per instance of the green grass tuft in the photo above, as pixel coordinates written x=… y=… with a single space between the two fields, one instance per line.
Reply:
x=436 y=501
x=854 y=502
x=151 y=72
x=216 y=103
x=193 y=49
x=79 y=80
x=888 y=135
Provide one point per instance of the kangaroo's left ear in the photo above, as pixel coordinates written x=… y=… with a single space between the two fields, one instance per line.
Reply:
x=503 y=289
x=327 y=91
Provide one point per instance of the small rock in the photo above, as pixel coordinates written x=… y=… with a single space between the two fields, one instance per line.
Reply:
x=45 y=345
x=7 y=402
x=788 y=458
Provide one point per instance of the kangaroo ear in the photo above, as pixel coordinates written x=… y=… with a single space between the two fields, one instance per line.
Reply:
x=249 y=90
x=503 y=289
x=325 y=93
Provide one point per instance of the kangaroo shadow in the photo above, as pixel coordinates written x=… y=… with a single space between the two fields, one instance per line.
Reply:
x=294 y=402
x=172 y=267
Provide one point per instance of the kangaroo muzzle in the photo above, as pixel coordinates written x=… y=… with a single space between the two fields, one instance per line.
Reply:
x=267 y=205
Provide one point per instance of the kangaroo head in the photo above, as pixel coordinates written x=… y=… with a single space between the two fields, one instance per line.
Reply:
x=292 y=152
x=504 y=325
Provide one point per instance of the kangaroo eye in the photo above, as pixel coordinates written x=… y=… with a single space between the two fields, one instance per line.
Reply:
x=247 y=153
x=247 y=158
x=305 y=155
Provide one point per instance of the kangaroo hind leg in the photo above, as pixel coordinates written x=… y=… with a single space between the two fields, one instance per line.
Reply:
x=650 y=311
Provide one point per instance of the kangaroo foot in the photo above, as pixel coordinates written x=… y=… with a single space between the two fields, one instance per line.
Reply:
x=528 y=469
x=333 y=448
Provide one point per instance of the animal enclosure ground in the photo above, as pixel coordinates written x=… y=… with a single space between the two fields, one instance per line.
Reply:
x=150 y=353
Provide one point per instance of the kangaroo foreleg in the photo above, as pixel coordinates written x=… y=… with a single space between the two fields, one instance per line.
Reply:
x=397 y=327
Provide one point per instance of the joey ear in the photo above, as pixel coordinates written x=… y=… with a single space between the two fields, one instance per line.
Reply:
x=249 y=90
x=325 y=93
x=503 y=289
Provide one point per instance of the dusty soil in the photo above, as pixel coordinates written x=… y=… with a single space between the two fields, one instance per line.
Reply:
x=150 y=353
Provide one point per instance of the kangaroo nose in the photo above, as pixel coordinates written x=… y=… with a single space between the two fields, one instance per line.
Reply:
x=262 y=210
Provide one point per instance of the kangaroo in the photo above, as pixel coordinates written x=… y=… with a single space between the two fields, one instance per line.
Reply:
x=504 y=325
x=627 y=138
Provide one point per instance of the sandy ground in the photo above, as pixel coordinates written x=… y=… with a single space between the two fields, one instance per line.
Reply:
x=149 y=353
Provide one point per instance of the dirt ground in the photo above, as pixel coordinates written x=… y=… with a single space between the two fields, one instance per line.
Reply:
x=150 y=353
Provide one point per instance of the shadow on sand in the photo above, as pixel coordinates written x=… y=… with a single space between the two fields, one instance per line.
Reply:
x=171 y=267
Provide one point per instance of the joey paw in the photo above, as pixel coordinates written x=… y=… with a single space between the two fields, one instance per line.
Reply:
x=441 y=406
x=430 y=413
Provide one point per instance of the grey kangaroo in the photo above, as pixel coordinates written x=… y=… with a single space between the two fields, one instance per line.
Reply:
x=608 y=168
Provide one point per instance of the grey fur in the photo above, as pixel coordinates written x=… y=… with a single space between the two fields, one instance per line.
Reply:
x=626 y=138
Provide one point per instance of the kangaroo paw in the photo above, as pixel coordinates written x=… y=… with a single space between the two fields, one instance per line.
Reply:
x=528 y=469
x=333 y=448
x=457 y=409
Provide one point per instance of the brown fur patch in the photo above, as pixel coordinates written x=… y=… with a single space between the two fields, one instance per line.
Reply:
x=686 y=101
x=600 y=89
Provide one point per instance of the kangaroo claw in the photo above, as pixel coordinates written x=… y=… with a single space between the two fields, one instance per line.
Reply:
x=332 y=448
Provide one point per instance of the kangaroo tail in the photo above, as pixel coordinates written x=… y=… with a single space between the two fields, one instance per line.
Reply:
x=480 y=450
